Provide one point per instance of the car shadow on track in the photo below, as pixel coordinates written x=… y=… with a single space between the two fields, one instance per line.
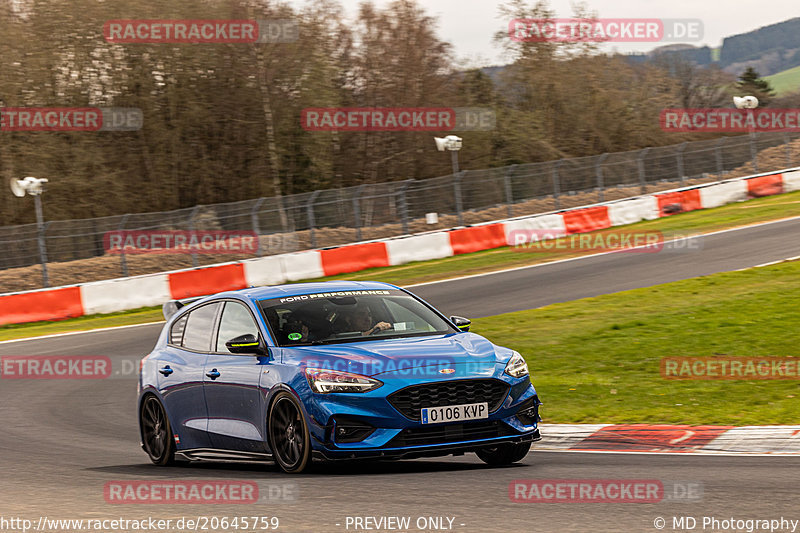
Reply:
x=338 y=468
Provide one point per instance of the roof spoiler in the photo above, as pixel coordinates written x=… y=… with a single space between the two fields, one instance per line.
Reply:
x=171 y=307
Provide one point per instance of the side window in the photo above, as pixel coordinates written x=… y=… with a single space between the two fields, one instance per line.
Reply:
x=199 y=325
x=176 y=332
x=236 y=320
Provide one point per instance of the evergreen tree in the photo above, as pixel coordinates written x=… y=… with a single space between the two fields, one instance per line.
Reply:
x=751 y=83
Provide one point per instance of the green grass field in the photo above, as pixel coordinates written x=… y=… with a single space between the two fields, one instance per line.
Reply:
x=597 y=360
x=702 y=221
x=786 y=81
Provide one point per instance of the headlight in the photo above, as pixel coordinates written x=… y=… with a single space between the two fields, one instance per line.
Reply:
x=516 y=366
x=325 y=381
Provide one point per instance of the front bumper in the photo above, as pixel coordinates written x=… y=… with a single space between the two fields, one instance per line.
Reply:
x=432 y=450
x=386 y=433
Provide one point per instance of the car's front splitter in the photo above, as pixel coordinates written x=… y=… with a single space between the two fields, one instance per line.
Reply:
x=431 y=450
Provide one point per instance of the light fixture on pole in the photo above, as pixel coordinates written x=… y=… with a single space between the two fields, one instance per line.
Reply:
x=749 y=103
x=451 y=143
x=745 y=102
x=34 y=187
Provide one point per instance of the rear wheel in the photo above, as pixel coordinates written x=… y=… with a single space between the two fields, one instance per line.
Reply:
x=504 y=454
x=156 y=432
x=288 y=434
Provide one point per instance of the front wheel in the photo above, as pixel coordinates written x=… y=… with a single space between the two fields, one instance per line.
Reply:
x=288 y=434
x=156 y=432
x=504 y=454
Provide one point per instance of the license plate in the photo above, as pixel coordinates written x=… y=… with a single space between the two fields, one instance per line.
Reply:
x=453 y=413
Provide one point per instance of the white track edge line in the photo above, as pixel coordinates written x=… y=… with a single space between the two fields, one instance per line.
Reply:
x=66 y=333
x=54 y=335
x=537 y=265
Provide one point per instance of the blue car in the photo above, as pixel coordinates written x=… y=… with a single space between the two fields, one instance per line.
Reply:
x=335 y=370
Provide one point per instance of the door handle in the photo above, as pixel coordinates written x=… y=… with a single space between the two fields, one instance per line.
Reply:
x=214 y=374
x=166 y=370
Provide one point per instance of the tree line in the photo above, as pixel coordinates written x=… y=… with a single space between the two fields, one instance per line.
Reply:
x=222 y=121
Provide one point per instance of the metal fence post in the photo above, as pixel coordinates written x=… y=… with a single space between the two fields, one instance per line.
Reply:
x=599 y=172
x=640 y=163
x=459 y=201
x=310 y=214
x=754 y=150
x=123 y=260
x=786 y=141
x=191 y=229
x=681 y=172
x=41 y=228
x=357 y=209
x=509 y=192
x=256 y=225
x=43 y=254
x=718 y=154
x=402 y=201
x=557 y=184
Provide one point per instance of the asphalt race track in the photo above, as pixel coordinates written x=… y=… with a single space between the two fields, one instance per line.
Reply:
x=528 y=288
x=63 y=440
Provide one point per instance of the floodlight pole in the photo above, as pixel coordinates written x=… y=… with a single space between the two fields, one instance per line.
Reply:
x=753 y=147
x=454 y=160
x=37 y=201
x=750 y=103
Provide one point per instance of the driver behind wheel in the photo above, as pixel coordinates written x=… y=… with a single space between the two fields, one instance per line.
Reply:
x=360 y=319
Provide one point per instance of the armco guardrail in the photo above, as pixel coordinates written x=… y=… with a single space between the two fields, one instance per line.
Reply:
x=131 y=293
x=372 y=211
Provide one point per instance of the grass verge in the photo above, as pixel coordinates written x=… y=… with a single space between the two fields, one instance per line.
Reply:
x=598 y=360
x=84 y=323
x=695 y=222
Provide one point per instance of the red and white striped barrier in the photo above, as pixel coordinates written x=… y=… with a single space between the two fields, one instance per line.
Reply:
x=141 y=291
x=657 y=438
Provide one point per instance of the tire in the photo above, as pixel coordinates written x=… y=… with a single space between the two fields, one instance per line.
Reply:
x=504 y=454
x=156 y=432
x=288 y=434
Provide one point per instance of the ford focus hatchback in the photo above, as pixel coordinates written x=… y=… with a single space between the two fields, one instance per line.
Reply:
x=335 y=370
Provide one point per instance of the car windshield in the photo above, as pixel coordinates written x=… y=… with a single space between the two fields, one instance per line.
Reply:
x=350 y=316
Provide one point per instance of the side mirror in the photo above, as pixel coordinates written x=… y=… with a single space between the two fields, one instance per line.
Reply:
x=461 y=322
x=247 y=344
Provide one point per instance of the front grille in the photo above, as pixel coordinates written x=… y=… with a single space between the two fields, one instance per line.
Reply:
x=444 y=433
x=410 y=400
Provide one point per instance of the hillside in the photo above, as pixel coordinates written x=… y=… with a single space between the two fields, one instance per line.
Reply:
x=786 y=81
x=770 y=50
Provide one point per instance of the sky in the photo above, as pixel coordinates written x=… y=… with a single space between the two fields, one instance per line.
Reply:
x=469 y=25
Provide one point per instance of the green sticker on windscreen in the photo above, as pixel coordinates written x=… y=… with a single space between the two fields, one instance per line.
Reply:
x=295 y=336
